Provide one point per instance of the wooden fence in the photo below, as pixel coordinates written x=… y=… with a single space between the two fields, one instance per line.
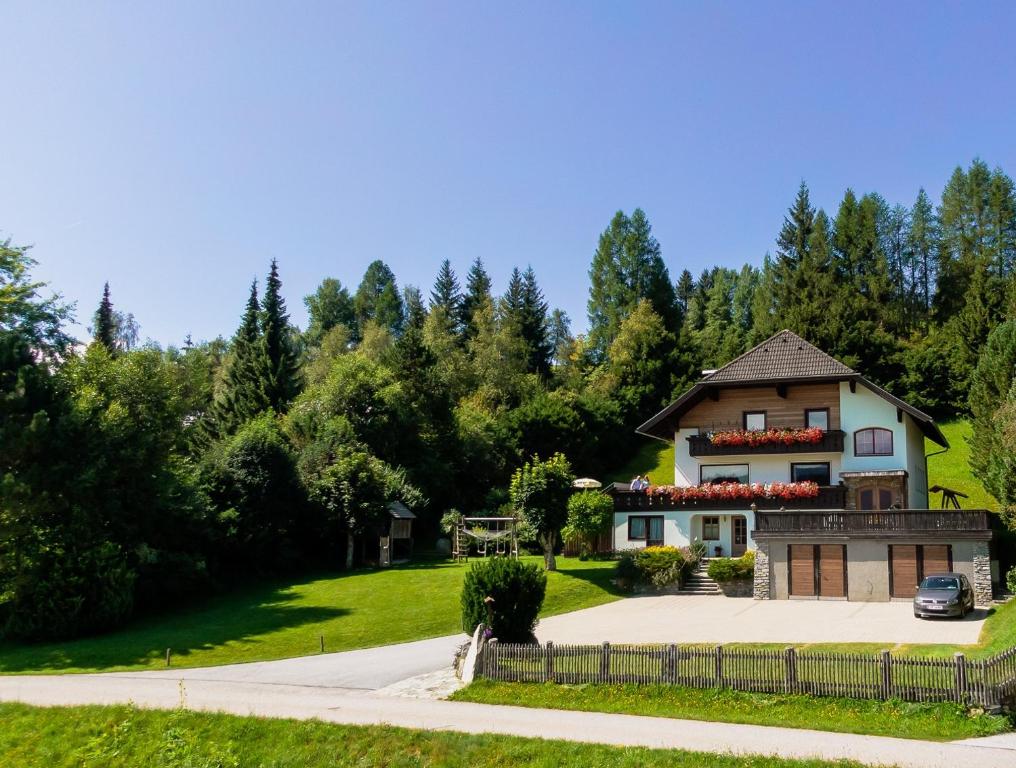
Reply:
x=989 y=683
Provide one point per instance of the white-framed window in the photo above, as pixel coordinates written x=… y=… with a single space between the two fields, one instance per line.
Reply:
x=754 y=419
x=723 y=473
x=817 y=417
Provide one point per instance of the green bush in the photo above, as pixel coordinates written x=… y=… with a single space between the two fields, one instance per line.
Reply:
x=1010 y=580
x=590 y=513
x=655 y=566
x=724 y=569
x=626 y=572
x=518 y=590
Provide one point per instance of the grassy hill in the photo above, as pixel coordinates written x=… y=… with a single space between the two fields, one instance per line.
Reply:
x=950 y=469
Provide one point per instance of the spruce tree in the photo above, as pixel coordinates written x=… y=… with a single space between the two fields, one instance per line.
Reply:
x=416 y=312
x=478 y=287
x=627 y=267
x=281 y=366
x=923 y=237
x=105 y=322
x=793 y=241
x=447 y=295
x=534 y=324
x=684 y=290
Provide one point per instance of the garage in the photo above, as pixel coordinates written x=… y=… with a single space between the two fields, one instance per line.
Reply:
x=909 y=563
x=817 y=570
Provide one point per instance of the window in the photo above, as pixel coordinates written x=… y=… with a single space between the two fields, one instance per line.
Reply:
x=874 y=441
x=723 y=473
x=876 y=498
x=647 y=529
x=754 y=419
x=817 y=417
x=710 y=529
x=816 y=472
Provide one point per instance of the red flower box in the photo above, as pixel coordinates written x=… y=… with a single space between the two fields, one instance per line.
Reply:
x=732 y=491
x=771 y=436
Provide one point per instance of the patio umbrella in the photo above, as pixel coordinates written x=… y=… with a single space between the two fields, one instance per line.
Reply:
x=586 y=482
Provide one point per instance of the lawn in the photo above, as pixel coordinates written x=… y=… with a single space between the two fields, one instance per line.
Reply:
x=123 y=737
x=937 y=722
x=952 y=468
x=654 y=458
x=284 y=619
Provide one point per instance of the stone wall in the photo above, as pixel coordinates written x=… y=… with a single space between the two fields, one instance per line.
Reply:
x=982 y=573
x=762 y=576
x=896 y=483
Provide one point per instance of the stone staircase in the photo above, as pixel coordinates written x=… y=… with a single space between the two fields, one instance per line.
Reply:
x=699 y=583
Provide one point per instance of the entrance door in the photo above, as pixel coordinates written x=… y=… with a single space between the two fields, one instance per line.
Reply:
x=802 y=570
x=739 y=541
x=875 y=498
x=903 y=576
x=832 y=570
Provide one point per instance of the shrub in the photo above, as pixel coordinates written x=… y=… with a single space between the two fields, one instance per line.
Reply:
x=698 y=549
x=660 y=566
x=589 y=514
x=626 y=572
x=732 y=568
x=1010 y=580
x=518 y=590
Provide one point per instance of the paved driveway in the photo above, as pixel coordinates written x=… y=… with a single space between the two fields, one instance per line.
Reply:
x=719 y=619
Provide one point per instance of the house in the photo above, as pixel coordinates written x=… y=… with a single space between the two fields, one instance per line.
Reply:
x=789 y=452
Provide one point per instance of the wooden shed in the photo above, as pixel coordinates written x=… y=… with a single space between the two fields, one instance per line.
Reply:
x=397 y=546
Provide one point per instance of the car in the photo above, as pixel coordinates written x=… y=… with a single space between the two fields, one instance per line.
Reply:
x=944 y=594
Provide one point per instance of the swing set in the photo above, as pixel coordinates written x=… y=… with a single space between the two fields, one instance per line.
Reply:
x=488 y=535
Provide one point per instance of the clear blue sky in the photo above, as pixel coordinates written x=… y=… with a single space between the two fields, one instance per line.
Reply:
x=175 y=148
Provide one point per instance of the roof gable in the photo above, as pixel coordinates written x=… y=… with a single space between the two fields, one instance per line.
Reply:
x=782 y=356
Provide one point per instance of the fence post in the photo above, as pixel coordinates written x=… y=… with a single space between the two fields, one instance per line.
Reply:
x=548 y=651
x=672 y=664
x=960 y=662
x=490 y=670
x=887 y=676
x=719 y=666
x=605 y=662
x=790 y=669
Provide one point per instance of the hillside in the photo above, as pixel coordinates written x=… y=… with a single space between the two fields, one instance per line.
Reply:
x=950 y=469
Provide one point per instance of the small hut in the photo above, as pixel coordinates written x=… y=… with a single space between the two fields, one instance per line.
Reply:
x=397 y=546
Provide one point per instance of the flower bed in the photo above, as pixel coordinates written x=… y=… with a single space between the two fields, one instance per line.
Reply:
x=771 y=436
x=733 y=491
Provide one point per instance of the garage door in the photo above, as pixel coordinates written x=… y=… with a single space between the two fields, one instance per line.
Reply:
x=802 y=570
x=935 y=559
x=832 y=566
x=903 y=575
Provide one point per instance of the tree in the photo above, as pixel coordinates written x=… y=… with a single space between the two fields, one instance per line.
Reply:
x=990 y=385
x=416 y=312
x=105 y=322
x=590 y=513
x=478 y=293
x=539 y=493
x=627 y=267
x=447 y=295
x=330 y=305
x=242 y=395
x=281 y=369
x=377 y=299
x=559 y=336
x=923 y=239
x=684 y=290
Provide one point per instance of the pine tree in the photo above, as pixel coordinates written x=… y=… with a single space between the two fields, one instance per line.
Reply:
x=478 y=287
x=685 y=289
x=923 y=244
x=281 y=366
x=105 y=322
x=446 y=294
x=626 y=268
x=795 y=235
x=560 y=336
x=534 y=324
x=377 y=299
x=416 y=312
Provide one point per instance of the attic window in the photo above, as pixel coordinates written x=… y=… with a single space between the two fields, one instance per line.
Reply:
x=874 y=441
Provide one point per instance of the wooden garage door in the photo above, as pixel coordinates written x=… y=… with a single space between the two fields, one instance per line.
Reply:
x=903 y=570
x=802 y=570
x=935 y=559
x=832 y=561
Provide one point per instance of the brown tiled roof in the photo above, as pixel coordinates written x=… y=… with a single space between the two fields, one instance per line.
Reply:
x=782 y=356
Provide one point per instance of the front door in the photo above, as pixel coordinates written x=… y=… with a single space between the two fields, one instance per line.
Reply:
x=739 y=540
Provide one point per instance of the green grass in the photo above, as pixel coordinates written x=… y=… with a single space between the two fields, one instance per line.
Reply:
x=654 y=458
x=937 y=722
x=123 y=737
x=952 y=468
x=284 y=619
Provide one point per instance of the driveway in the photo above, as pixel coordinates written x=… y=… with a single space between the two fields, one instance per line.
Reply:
x=719 y=619
x=368 y=669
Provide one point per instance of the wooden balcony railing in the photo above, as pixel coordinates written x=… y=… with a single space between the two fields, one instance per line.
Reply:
x=832 y=497
x=831 y=442
x=884 y=523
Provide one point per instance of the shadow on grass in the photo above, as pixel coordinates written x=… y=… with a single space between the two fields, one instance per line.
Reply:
x=208 y=624
x=600 y=577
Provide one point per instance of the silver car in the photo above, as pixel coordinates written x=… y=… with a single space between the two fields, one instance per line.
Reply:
x=944 y=594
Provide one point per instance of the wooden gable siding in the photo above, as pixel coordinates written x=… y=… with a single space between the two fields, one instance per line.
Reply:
x=726 y=412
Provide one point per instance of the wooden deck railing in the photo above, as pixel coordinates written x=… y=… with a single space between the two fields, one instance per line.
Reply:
x=988 y=683
x=829 y=497
x=700 y=445
x=887 y=522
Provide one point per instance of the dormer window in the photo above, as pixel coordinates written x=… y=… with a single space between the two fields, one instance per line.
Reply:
x=754 y=420
x=874 y=441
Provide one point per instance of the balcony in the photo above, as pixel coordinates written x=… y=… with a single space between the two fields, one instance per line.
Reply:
x=831 y=442
x=890 y=523
x=833 y=497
